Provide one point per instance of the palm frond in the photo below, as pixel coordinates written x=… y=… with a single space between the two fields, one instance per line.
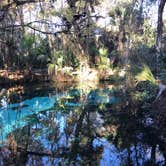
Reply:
x=146 y=75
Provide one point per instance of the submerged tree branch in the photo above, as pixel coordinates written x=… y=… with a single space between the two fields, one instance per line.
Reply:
x=43 y=153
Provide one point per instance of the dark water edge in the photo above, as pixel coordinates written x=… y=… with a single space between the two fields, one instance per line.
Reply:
x=69 y=125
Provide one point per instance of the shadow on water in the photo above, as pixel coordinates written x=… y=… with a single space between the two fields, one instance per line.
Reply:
x=70 y=126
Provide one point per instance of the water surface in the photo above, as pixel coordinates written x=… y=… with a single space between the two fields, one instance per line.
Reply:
x=74 y=126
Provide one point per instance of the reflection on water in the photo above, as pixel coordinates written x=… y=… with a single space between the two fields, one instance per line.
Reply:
x=72 y=127
x=138 y=154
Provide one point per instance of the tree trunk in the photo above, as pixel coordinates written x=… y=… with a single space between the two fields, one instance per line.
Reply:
x=159 y=32
x=121 y=35
x=153 y=155
x=160 y=23
x=78 y=49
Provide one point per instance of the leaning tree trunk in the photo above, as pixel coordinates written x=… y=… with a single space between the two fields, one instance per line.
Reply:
x=159 y=31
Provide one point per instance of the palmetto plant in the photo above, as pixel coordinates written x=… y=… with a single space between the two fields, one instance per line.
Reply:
x=146 y=75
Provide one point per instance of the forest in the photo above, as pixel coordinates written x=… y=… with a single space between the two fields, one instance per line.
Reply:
x=82 y=82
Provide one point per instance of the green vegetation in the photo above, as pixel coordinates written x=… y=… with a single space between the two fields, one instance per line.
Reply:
x=146 y=75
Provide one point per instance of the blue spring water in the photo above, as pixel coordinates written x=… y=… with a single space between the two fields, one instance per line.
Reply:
x=12 y=116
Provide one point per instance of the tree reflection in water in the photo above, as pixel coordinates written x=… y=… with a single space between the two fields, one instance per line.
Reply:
x=77 y=128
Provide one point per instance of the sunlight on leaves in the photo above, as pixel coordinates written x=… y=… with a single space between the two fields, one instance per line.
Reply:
x=146 y=75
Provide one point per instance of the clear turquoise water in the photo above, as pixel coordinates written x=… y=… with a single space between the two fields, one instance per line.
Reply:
x=13 y=116
x=74 y=127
